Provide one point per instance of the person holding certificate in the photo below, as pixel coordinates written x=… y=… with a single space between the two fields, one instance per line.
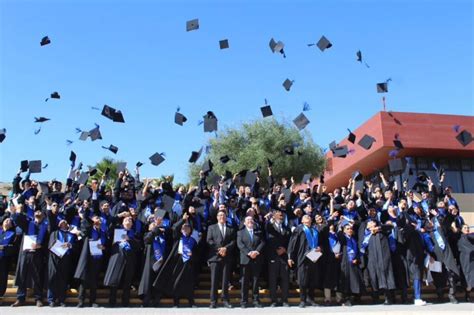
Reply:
x=60 y=263
x=91 y=258
x=123 y=262
x=30 y=264
x=304 y=253
x=7 y=238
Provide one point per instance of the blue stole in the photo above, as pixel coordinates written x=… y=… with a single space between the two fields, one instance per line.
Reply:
x=439 y=239
x=30 y=213
x=352 y=251
x=6 y=237
x=333 y=240
x=311 y=237
x=137 y=227
x=96 y=235
x=65 y=237
x=197 y=223
x=103 y=225
x=429 y=245
x=392 y=238
x=38 y=230
x=424 y=205
x=159 y=244
x=125 y=245
x=349 y=214
x=365 y=241
x=186 y=244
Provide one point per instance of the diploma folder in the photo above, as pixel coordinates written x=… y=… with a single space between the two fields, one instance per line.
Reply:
x=313 y=255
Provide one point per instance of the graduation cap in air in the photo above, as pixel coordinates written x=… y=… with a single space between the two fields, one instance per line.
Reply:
x=224 y=159
x=121 y=166
x=366 y=142
x=44 y=187
x=323 y=43
x=398 y=144
x=277 y=47
x=195 y=155
x=383 y=86
x=112 y=114
x=210 y=122
x=72 y=156
x=287 y=84
x=84 y=135
x=192 y=25
x=266 y=111
x=179 y=118
x=157 y=158
x=139 y=164
x=395 y=165
x=351 y=137
x=422 y=176
x=41 y=119
x=359 y=58
x=301 y=121
x=207 y=166
x=224 y=44
x=35 y=166
x=111 y=148
x=306 y=178
x=439 y=171
x=45 y=41
x=160 y=213
x=464 y=138
x=289 y=150
x=357 y=176
x=250 y=178
x=84 y=194
x=332 y=146
x=24 y=165
x=3 y=134
x=341 y=151
x=95 y=133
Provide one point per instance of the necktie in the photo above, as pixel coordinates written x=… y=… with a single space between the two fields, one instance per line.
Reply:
x=222 y=230
x=439 y=240
x=251 y=235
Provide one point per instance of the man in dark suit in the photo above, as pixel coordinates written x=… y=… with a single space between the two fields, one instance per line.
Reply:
x=278 y=236
x=221 y=241
x=250 y=243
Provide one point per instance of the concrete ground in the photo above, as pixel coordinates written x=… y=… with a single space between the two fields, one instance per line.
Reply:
x=430 y=309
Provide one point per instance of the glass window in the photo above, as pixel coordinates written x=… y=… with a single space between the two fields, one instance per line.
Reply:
x=453 y=179
x=422 y=163
x=468 y=178
x=467 y=165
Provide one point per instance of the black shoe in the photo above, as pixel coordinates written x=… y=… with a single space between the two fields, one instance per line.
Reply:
x=95 y=305
x=311 y=302
x=387 y=302
x=327 y=303
x=347 y=303
x=273 y=304
x=52 y=304
x=111 y=305
x=285 y=304
x=257 y=304
x=62 y=304
x=193 y=306
x=453 y=300
x=18 y=303
x=80 y=304
x=212 y=305
x=227 y=304
x=243 y=305
x=302 y=305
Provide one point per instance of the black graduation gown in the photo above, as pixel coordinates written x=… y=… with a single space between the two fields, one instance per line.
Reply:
x=415 y=256
x=176 y=275
x=379 y=263
x=60 y=268
x=331 y=267
x=88 y=267
x=350 y=278
x=444 y=256
x=466 y=257
x=120 y=262
x=7 y=239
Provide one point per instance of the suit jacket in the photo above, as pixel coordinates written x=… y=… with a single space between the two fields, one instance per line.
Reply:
x=215 y=241
x=246 y=245
x=276 y=239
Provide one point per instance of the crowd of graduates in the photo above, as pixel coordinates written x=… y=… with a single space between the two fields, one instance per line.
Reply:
x=374 y=239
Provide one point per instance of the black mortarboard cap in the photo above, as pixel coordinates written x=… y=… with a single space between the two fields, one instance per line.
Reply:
x=45 y=41
x=224 y=159
x=250 y=178
x=156 y=159
x=421 y=176
x=398 y=144
x=224 y=44
x=324 y=43
x=266 y=111
x=35 y=166
x=111 y=148
x=357 y=176
x=464 y=138
x=287 y=84
x=82 y=180
x=207 y=166
x=118 y=117
x=121 y=166
x=192 y=25
x=341 y=151
x=95 y=134
x=84 y=193
x=352 y=137
x=382 y=87
x=228 y=175
x=270 y=163
x=160 y=213
x=168 y=202
x=3 y=134
x=44 y=187
x=332 y=145
x=289 y=150
x=395 y=165
x=242 y=173
x=92 y=171
x=139 y=164
x=72 y=156
x=179 y=118
x=195 y=155
x=41 y=119
x=112 y=114
x=210 y=122
x=277 y=46
x=366 y=142
x=55 y=95
x=306 y=178
x=301 y=121
x=24 y=165
x=84 y=135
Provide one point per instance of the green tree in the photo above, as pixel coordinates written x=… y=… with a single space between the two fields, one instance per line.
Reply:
x=251 y=144
x=102 y=166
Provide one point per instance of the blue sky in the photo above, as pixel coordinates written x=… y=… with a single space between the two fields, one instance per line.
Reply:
x=136 y=56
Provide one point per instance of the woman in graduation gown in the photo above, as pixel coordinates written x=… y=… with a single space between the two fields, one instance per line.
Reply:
x=7 y=239
x=331 y=262
x=89 y=266
x=122 y=263
x=60 y=268
x=350 y=278
x=466 y=258
x=177 y=271
x=156 y=251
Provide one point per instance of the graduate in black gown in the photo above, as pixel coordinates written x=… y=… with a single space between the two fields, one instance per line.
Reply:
x=466 y=254
x=31 y=262
x=305 y=238
x=156 y=251
x=177 y=272
x=122 y=264
x=60 y=268
x=89 y=266
x=331 y=262
x=7 y=239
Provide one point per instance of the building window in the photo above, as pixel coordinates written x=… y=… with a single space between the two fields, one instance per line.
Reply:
x=468 y=179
